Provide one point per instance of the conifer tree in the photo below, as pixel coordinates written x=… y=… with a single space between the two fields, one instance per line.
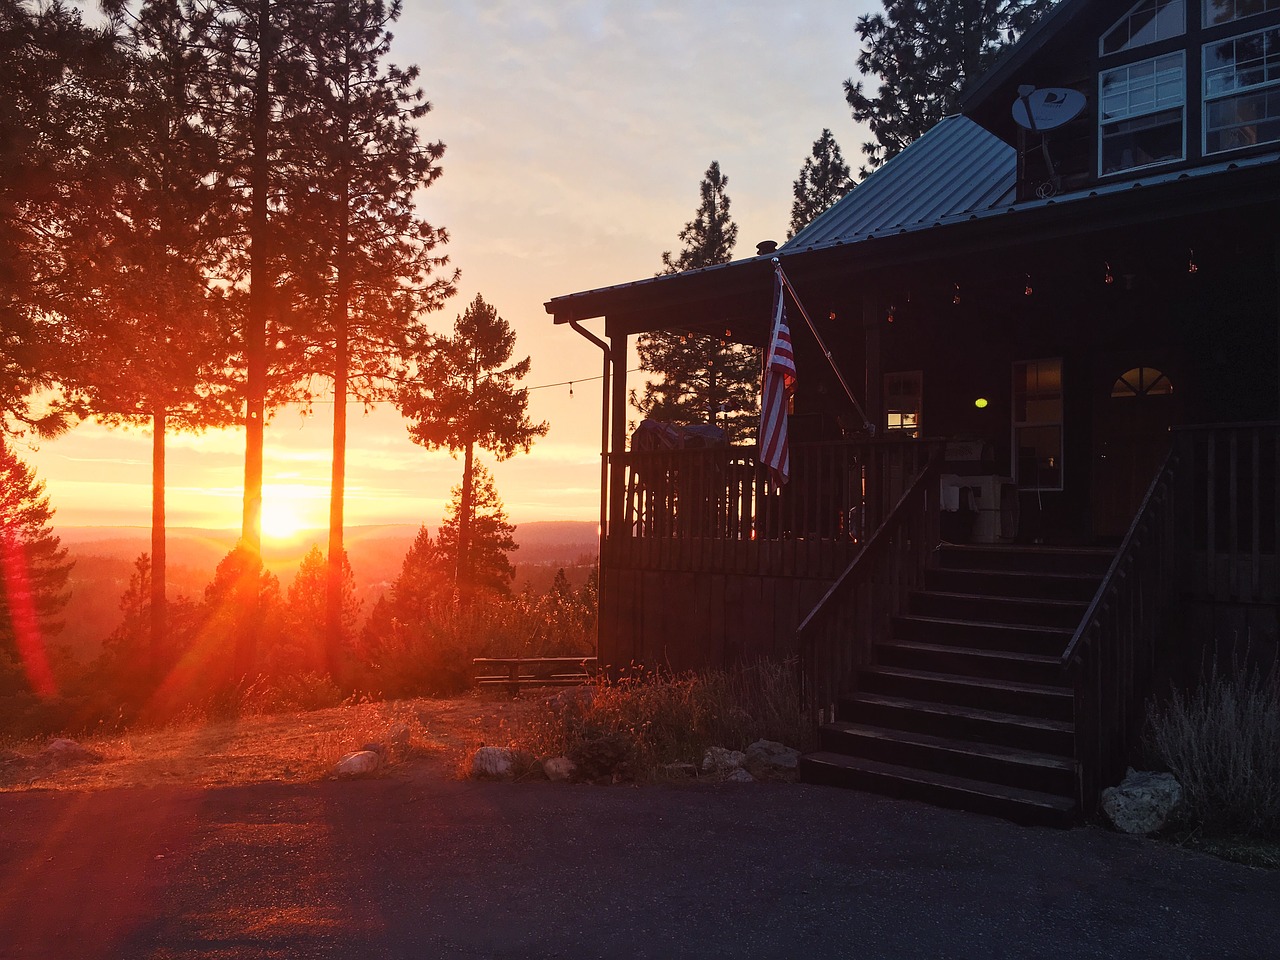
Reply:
x=701 y=377
x=824 y=179
x=923 y=53
x=33 y=578
x=489 y=540
x=371 y=263
x=461 y=393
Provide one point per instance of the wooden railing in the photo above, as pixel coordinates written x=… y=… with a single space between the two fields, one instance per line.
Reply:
x=840 y=633
x=713 y=509
x=1111 y=658
x=1229 y=488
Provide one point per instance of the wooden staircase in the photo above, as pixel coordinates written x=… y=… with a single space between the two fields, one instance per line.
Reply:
x=967 y=704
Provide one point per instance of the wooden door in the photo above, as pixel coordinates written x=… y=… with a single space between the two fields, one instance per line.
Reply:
x=1133 y=414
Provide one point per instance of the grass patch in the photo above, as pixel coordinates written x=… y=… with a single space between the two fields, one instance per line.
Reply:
x=644 y=721
x=1222 y=742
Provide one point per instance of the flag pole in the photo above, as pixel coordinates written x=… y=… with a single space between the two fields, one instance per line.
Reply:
x=795 y=298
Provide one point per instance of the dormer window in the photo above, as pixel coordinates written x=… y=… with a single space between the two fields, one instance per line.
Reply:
x=1141 y=115
x=1242 y=91
x=1146 y=22
x=1224 y=11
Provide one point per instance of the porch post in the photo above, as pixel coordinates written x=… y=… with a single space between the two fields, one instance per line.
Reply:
x=618 y=349
x=873 y=323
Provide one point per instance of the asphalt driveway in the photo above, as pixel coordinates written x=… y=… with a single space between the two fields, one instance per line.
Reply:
x=416 y=867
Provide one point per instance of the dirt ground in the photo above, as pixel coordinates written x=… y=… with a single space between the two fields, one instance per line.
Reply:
x=281 y=748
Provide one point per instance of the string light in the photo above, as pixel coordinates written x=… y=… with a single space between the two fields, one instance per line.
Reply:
x=1109 y=278
x=893 y=314
x=571 y=388
x=955 y=296
x=1192 y=266
x=1027 y=291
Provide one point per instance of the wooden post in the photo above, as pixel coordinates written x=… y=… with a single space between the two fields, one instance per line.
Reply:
x=618 y=350
x=873 y=325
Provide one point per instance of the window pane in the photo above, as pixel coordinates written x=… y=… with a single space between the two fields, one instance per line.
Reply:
x=1146 y=22
x=1143 y=141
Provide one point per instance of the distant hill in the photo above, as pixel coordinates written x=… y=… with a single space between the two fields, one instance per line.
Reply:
x=104 y=558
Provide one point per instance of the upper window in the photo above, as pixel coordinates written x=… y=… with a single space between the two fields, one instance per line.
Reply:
x=1242 y=91
x=1224 y=11
x=1142 y=382
x=1141 y=115
x=1146 y=22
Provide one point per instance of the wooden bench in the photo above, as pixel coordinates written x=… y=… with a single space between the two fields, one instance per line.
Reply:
x=517 y=672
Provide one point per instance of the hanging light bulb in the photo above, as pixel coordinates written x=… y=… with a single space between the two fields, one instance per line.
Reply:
x=893 y=311
x=955 y=296
x=1192 y=266
x=1027 y=291
x=1109 y=277
x=571 y=388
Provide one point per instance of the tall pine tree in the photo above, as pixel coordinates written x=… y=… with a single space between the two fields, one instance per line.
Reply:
x=923 y=53
x=488 y=539
x=701 y=377
x=371 y=266
x=824 y=179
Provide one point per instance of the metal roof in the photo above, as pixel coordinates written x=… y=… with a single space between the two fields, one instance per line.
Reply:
x=955 y=170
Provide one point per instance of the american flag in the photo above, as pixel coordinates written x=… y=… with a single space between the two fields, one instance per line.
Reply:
x=779 y=384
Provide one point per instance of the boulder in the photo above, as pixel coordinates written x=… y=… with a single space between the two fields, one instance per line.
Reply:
x=360 y=763
x=720 y=760
x=768 y=758
x=559 y=769
x=740 y=776
x=67 y=752
x=493 y=763
x=1143 y=801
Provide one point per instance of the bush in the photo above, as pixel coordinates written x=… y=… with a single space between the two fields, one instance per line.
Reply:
x=1222 y=742
x=671 y=719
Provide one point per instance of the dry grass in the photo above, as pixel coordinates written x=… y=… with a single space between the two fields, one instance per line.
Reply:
x=295 y=747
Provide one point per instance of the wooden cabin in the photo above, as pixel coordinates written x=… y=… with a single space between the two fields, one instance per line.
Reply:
x=1073 y=323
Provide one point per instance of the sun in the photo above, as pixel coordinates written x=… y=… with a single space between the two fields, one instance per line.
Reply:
x=280 y=521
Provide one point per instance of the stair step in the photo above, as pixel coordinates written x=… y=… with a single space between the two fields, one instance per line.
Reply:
x=995 y=608
x=953 y=719
x=972 y=661
x=1094 y=560
x=1020 y=637
x=994 y=763
x=1030 y=699
x=1014 y=583
x=1012 y=803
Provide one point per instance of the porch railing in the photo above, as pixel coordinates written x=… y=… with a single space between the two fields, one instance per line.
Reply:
x=1111 y=658
x=839 y=635
x=720 y=509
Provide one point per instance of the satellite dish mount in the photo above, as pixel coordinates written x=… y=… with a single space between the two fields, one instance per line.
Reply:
x=1042 y=110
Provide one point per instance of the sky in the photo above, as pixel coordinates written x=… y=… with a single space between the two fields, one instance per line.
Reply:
x=576 y=134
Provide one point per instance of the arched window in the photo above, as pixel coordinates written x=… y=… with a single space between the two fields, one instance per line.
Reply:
x=1142 y=382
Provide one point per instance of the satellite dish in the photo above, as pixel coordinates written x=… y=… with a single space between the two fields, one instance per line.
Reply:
x=1046 y=108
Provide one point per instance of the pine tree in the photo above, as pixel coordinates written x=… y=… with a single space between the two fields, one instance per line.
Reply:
x=306 y=620
x=491 y=536
x=701 y=377
x=824 y=179
x=371 y=259
x=33 y=579
x=424 y=582
x=461 y=393
x=924 y=52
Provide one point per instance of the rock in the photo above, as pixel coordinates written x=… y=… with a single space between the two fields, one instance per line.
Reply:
x=360 y=763
x=559 y=769
x=1143 y=802
x=603 y=757
x=68 y=752
x=768 y=758
x=739 y=776
x=493 y=763
x=678 y=771
x=720 y=760
x=399 y=736
x=379 y=748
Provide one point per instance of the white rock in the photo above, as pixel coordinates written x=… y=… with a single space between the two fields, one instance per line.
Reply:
x=720 y=760
x=559 y=769
x=361 y=763
x=1143 y=802
x=68 y=751
x=771 y=755
x=739 y=776
x=493 y=763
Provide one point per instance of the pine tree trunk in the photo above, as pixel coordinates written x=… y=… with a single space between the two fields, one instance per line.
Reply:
x=159 y=602
x=255 y=335
x=337 y=488
x=462 y=582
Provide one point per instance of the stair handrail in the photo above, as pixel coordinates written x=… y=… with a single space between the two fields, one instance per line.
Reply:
x=1110 y=679
x=911 y=526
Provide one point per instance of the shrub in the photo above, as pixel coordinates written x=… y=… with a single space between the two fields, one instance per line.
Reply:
x=1222 y=742
x=669 y=719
